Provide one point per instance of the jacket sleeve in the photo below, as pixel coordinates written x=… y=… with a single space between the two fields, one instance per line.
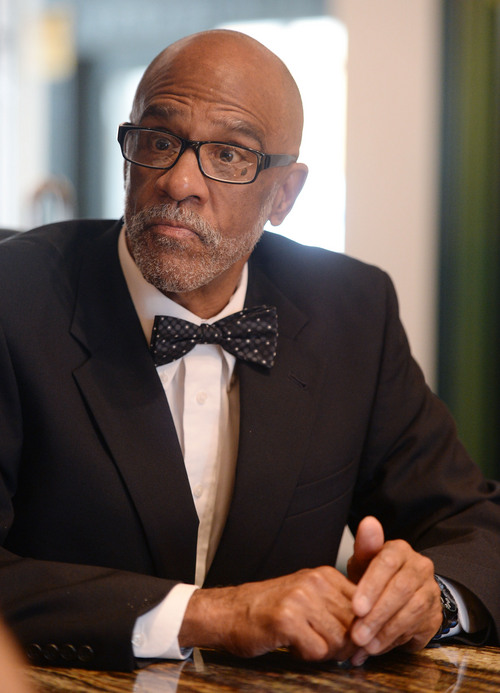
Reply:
x=417 y=478
x=63 y=614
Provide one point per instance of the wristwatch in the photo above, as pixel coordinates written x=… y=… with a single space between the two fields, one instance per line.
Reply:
x=450 y=610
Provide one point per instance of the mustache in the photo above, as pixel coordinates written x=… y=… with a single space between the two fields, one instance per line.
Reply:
x=168 y=213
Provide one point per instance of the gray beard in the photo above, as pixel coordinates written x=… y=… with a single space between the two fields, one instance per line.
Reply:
x=173 y=265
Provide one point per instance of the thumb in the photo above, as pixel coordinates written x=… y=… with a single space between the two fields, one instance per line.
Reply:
x=368 y=542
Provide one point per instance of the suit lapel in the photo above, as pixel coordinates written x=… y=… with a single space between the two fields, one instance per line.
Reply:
x=123 y=392
x=277 y=410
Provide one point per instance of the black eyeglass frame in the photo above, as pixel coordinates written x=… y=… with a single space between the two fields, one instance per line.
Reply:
x=263 y=160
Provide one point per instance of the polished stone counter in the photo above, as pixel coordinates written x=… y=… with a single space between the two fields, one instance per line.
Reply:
x=451 y=668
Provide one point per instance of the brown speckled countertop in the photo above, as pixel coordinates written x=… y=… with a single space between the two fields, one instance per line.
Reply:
x=450 y=668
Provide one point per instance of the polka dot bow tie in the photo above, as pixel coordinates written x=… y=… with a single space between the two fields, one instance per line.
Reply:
x=250 y=335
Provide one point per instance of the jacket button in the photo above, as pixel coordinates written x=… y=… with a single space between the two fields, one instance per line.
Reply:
x=34 y=652
x=50 y=652
x=85 y=653
x=67 y=652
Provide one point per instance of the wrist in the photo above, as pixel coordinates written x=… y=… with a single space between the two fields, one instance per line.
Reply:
x=206 y=618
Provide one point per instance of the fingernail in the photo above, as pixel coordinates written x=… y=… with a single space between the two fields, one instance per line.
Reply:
x=363 y=635
x=374 y=646
x=362 y=606
x=359 y=658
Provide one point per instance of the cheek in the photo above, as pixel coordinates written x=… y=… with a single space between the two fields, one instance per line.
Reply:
x=138 y=188
x=239 y=210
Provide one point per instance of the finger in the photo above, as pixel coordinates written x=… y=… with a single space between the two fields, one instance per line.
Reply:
x=379 y=574
x=332 y=616
x=314 y=616
x=334 y=627
x=359 y=657
x=331 y=643
x=368 y=542
x=408 y=605
x=412 y=627
x=309 y=645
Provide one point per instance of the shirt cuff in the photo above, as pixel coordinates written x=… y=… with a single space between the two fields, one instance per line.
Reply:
x=156 y=633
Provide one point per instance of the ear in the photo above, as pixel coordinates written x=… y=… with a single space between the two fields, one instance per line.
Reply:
x=287 y=193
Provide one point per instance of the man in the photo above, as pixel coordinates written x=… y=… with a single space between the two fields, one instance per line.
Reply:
x=133 y=477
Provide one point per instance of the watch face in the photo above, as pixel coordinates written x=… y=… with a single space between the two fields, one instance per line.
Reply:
x=447 y=602
x=450 y=611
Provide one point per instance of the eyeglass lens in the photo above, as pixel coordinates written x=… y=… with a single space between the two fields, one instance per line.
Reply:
x=221 y=161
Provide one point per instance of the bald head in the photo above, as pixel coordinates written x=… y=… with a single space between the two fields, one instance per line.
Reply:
x=231 y=69
x=190 y=233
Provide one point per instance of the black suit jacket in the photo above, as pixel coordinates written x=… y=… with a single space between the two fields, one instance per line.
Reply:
x=97 y=519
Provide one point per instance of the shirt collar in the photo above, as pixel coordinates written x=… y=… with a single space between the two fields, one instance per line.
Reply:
x=149 y=301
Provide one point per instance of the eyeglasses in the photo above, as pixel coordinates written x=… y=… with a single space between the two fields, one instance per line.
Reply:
x=220 y=161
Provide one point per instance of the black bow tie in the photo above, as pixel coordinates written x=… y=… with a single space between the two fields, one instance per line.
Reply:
x=251 y=335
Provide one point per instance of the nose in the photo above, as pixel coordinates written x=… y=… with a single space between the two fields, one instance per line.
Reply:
x=184 y=180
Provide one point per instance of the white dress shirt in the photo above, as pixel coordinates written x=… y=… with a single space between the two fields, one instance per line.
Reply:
x=203 y=397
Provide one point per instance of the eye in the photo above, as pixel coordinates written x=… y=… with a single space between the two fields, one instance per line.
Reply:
x=229 y=155
x=162 y=144
x=228 y=162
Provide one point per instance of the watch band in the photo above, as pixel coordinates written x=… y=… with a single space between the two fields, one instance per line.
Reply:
x=449 y=608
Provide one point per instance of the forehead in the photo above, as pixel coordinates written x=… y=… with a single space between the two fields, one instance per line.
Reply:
x=201 y=91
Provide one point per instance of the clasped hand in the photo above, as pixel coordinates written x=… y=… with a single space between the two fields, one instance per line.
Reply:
x=389 y=599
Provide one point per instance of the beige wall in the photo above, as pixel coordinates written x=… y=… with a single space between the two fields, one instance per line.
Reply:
x=392 y=152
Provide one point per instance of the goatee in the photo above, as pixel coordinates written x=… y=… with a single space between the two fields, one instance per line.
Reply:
x=177 y=265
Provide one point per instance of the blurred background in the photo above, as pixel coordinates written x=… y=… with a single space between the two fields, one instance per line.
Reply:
x=402 y=140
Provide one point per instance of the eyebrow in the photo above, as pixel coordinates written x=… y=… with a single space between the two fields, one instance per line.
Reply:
x=159 y=111
x=236 y=125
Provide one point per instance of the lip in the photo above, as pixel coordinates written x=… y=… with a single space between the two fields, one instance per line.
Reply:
x=172 y=229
